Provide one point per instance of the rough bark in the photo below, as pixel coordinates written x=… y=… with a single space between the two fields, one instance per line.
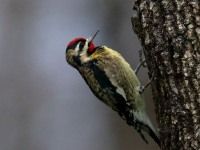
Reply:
x=169 y=31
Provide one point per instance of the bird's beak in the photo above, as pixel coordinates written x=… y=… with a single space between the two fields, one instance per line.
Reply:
x=92 y=38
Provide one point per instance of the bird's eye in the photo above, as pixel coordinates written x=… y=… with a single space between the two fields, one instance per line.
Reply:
x=81 y=45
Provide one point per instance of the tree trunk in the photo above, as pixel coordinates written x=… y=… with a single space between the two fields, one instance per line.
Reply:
x=169 y=31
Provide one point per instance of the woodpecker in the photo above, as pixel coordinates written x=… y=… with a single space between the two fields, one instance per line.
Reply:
x=112 y=81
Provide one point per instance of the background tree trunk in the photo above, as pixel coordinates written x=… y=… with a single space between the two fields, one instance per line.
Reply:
x=169 y=31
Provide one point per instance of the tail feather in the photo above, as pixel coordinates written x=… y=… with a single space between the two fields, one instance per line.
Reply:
x=152 y=133
x=143 y=137
x=155 y=137
x=149 y=128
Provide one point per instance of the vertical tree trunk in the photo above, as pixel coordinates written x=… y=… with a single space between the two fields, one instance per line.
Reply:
x=169 y=31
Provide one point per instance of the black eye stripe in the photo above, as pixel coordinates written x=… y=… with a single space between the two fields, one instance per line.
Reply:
x=81 y=45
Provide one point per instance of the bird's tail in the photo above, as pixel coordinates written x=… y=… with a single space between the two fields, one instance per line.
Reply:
x=155 y=137
x=149 y=128
x=152 y=133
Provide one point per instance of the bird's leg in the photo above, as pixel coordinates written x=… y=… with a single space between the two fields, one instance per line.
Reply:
x=139 y=66
x=142 y=61
x=142 y=88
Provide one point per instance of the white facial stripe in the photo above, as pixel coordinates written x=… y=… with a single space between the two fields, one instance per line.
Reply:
x=77 y=48
x=83 y=55
x=85 y=48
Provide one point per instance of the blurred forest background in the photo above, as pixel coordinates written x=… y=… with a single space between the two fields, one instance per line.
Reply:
x=45 y=104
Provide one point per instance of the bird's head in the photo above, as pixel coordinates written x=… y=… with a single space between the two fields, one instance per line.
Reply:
x=79 y=49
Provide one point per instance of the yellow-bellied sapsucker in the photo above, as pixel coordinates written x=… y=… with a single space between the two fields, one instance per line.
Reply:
x=112 y=80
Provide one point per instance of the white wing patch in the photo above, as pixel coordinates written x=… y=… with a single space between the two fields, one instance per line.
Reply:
x=121 y=92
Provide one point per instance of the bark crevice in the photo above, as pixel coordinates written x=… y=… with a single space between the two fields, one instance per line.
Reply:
x=169 y=32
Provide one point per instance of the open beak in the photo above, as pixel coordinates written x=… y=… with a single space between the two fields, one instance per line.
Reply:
x=92 y=38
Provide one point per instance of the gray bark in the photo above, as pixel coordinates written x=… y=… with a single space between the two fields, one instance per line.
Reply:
x=169 y=31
